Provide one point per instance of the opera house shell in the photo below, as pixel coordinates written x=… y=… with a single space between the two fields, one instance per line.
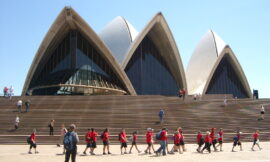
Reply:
x=73 y=60
x=214 y=69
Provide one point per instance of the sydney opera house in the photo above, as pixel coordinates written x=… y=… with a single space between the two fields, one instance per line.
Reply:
x=73 y=60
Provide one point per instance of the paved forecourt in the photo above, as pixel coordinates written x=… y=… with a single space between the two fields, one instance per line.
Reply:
x=52 y=153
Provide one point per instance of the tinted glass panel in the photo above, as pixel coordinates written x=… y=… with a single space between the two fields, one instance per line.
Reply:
x=226 y=81
x=148 y=71
x=74 y=62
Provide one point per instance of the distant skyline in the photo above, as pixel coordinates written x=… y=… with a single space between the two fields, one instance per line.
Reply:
x=242 y=24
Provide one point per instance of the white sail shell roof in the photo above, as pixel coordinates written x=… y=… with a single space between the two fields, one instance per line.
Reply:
x=118 y=35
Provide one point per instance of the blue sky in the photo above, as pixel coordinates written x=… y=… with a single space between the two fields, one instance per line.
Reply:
x=243 y=24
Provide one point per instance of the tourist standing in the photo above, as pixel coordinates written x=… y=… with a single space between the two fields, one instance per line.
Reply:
x=10 y=92
x=32 y=142
x=17 y=121
x=106 y=142
x=6 y=92
x=220 y=138
x=123 y=141
x=134 y=142
x=87 y=140
x=161 y=115
x=27 y=105
x=19 y=105
x=200 y=141
x=51 y=125
x=70 y=143
x=93 y=145
x=256 y=141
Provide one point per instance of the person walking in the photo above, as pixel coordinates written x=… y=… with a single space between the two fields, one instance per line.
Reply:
x=213 y=137
x=70 y=143
x=149 y=141
x=93 y=145
x=207 y=142
x=17 y=121
x=106 y=141
x=256 y=141
x=123 y=141
x=220 y=138
x=176 y=146
x=182 y=140
x=161 y=115
x=236 y=141
x=134 y=142
x=262 y=112
x=32 y=142
x=51 y=125
x=63 y=131
x=162 y=139
x=200 y=141
x=27 y=105
x=87 y=140
x=19 y=105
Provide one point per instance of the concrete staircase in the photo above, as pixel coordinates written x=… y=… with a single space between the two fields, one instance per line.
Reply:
x=132 y=113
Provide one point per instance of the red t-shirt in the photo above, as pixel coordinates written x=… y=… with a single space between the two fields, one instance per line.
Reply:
x=33 y=137
x=88 y=137
x=134 y=139
x=149 y=137
x=220 y=135
x=106 y=136
x=123 y=137
x=208 y=139
x=163 y=135
x=94 y=136
x=177 y=138
x=212 y=134
x=199 y=137
x=182 y=137
x=256 y=136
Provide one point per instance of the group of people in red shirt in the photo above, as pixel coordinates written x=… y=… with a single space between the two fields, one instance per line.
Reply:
x=162 y=136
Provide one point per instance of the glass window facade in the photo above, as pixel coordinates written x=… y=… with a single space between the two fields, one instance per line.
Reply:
x=148 y=71
x=74 y=61
x=226 y=81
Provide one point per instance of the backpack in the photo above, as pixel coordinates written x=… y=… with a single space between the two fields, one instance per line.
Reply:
x=102 y=135
x=158 y=136
x=235 y=138
x=28 y=140
x=68 y=141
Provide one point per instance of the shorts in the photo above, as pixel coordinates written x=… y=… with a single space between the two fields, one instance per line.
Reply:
x=201 y=143
x=134 y=143
x=93 y=144
x=182 y=143
x=124 y=144
x=149 y=143
x=262 y=112
x=177 y=144
x=220 y=142
x=105 y=143
x=256 y=141
x=214 y=141
x=88 y=145
x=237 y=143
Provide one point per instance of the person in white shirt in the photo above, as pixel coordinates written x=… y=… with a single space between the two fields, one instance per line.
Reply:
x=19 y=105
x=17 y=121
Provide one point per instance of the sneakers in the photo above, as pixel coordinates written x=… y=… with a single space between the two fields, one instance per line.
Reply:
x=92 y=153
x=36 y=152
x=104 y=153
x=109 y=153
x=84 y=153
x=29 y=152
